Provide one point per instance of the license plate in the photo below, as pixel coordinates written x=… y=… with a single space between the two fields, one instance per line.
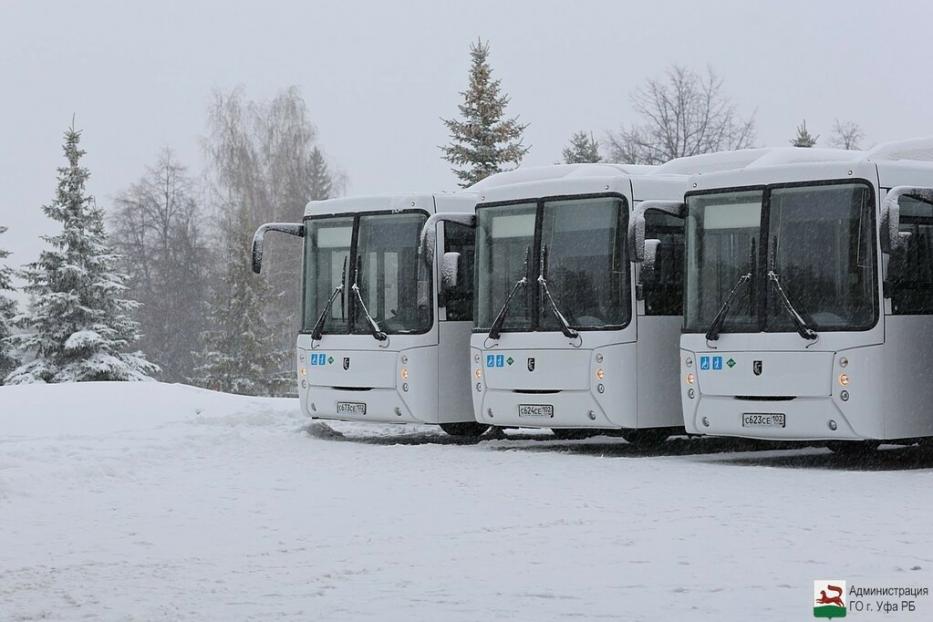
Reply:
x=763 y=420
x=536 y=410
x=351 y=408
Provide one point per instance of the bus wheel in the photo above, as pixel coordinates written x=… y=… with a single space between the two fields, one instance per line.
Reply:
x=853 y=448
x=574 y=434
x=648 y=437
x=468 y=429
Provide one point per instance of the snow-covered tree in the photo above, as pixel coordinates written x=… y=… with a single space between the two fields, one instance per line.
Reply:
x=804 y=138
x=685 y=114
x=582 y=148
x=238 y=353
x=846 y=135
x=77 y=326
x=482 y=140
x=8 y=360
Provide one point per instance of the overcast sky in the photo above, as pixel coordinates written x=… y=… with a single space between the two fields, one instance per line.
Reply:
x=378 y=75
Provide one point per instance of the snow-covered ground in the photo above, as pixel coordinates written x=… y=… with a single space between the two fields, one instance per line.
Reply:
x=163 y=502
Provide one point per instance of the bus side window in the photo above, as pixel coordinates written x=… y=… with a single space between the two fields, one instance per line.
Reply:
x=665 y=294
x=459 y=300
x=911 y=273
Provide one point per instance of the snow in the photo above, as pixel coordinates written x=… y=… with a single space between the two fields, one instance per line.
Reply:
x=148 y=501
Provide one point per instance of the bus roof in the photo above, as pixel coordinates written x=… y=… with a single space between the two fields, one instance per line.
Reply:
x=431 y=203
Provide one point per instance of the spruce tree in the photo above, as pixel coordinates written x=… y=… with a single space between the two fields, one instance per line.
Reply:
x=582 y=148
x=804 y=138
x=8 y=361
x=238 y=353
x=78 y=325
x=320 y=178
x=483 y=140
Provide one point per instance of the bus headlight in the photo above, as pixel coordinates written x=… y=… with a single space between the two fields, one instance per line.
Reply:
x=478 y=373
x=691 y=378
x=844 y=379
x=404 y=373
x=600 y=374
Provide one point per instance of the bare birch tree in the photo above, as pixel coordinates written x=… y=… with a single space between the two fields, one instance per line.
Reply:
x=683 y=114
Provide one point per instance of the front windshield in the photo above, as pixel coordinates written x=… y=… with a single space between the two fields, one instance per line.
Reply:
x=587 y=266
x=579 y=243
x=327 y=251
x=386 y=271
x=819 y=246
x=387 y=261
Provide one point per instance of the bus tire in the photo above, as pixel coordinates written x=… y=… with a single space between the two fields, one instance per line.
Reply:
x=647 y=437
x=465 y=429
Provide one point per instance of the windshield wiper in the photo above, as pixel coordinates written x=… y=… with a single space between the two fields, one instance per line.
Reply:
x=801 y=324
x=496 y=329
x=713 y=333
x=376 y=331
x=542 y=282
x=318 y=331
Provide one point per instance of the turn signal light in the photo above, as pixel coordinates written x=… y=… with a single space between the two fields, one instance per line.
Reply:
x=844 y=379
x=691 y=378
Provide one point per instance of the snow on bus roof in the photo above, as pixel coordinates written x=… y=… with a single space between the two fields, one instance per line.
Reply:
x=528 y=174
x=918 y=149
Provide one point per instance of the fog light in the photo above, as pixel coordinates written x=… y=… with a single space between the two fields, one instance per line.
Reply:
x=844 y=379
x=404 y=373
x=592 y=415
x=691 y=393
x=476 y=358
x=304 y=383
x=600 y=374
x=599 y=358
x=843 y=362
x=478 y=373
x=405 y=386
x=404 y=359
x=832 y=425
x=398 y=411
x=689 y=362
x=600 y=388
x=844 y=395
x=691 y=378
x=706 y=422
x=479 y=388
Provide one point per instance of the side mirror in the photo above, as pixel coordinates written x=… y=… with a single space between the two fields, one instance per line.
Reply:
x=450 y=270
x=296 y=229
x=637 y=229
x=427 y=240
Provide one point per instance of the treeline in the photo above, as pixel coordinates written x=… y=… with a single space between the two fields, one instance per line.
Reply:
x=160 y=285
x=168 y=293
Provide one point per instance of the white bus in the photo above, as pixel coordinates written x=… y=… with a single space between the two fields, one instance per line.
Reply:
x=567 y=334
x=381 y=338
x=808 y=312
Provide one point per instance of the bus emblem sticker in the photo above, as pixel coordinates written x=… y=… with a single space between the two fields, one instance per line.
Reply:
x=346 y=362
x=756 y=367
x=531 y=363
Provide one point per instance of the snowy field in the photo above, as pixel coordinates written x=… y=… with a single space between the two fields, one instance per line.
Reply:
x=164 y=502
